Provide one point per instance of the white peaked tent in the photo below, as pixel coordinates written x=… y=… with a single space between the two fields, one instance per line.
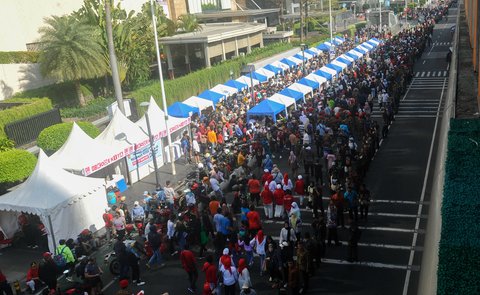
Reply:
x=198 y=102
x=301 y=88
x=280 y=65
x=319 y=79
x=246 y=80
x=347 y=57
x=157 y=121
x=224 y=89
x=266 y=73
x=295 y=60
x=328 y=70
x=283 y=99
x=66 y=203
x=121 y=133
x=81 y=151
x=338 y=63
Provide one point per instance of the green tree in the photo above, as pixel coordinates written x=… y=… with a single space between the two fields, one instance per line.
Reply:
x=71 y=52
x=189 y=23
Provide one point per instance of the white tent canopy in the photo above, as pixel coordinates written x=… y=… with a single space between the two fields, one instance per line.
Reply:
x=157 y=121
x=246 y=80
x=347 y=57
x=373 y=41
x=356 y=53
x=282 y=99
x=224 y=90
x=198 y=102
x=319 y=79
x=279 y=64
x=122 y=133
x=316 y=50
x=295 y=60
x=66 y=203
x=301 y=88
x=266 y=73
x=340 y=64
x=81 y=151
x=328 y=70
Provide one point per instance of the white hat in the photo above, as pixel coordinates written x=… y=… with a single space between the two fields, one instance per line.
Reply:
x=135 y=203
x=279 y=186
x=225 y=251
x=265 y=170
x=145 y=193
x=300 y=177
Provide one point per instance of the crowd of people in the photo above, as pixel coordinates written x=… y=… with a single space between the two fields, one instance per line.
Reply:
x=248 y=172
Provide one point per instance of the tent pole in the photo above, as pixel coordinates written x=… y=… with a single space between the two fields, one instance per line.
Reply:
x=51 y=232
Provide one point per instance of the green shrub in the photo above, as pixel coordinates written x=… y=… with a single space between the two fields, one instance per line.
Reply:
x=94 y=107
x=31 y=107
x=360 y=25
x=6 y=144
x=15 y=166
x=459 y=247
x=18 y=57
x=52 y=138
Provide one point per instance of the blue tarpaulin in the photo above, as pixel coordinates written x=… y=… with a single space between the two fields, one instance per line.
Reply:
x=311 y=52
x=372 y=43
x=257 y=76
x=266 y=108
x=326 y=75
x=292 y=93
x=300 y=56
x=274 y=69
x=344 y=61
x=308 y=82
x=323 y=47
x=334 y=67
x=357 y=49
x=288 y=62
x=352 y=55
x=235 y=84
x=212 y=96
x=181 y=110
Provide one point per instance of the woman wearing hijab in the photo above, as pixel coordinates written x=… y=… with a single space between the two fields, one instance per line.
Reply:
x=258 y=243
x=267 y=163
x=295 y=210
x=287 y=182
x=225 y=258
x=293 y=163
x=229 y=277
x=243 y=274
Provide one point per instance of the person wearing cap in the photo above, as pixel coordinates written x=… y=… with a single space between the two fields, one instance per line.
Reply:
x=300 y=188
x=48 y=271
x=267 y=198
x=278 y=195
x=108 y=219
x=123 y=284
x=138 y=213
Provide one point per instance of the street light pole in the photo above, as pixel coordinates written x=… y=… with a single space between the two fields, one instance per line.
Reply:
x=303 y=58
x=164 y=100
x=332 y=49
x=152 y=148
x=380 y=8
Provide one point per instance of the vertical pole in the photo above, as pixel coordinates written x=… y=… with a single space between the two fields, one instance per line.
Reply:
x=152 y=148
x=380 y=18
x=52 y=232
x=331 y=28
x=164 y=100
x=251 y=87
x=405 y=11
x=113 y=58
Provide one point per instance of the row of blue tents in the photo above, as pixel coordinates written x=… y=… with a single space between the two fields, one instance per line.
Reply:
x=279 y=102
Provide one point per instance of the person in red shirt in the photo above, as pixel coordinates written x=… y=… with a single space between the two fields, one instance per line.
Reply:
x=287 y=201
x=278 y=195
x=210 y=273
x=108 y=219
x=254 y=189
x=253 y=218
x=32 y=277
x=266 y=176
x=189 y=265
x=267 y=197
x=300 y=188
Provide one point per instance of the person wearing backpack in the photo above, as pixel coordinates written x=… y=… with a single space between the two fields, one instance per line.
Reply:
x=64 y=258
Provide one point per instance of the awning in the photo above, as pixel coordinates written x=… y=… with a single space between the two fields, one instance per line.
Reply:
x=311 y=52
x=360 y=50
x=311 y=83
x=376 y=40
x=198 y=102
x=280 y=64
x=361 y=46
x=368 y=46
x=213 y=96
x=181 y=110
x=349 y=58
x=336 y=68
x=300 y=56
x=297 y=61
x=352 y=55
x=236 y=84
x=316 y=50
x=356 y=52
x=372 y=43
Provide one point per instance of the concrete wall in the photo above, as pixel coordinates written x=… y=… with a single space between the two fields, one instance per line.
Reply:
x=21 y=19
x=19 y=77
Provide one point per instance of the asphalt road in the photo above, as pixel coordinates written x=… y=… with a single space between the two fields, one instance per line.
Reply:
x=390 y=249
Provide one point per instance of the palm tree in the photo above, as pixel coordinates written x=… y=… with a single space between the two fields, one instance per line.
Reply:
x=189 y=23
x=71 y=51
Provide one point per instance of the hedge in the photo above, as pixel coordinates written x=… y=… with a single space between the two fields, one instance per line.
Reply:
x=15 y=166
x=6 y=144
x=94 y=107
x=459 y=249
x=31 y=107
x=18 y=57
x=192 y=84
x=52 y=138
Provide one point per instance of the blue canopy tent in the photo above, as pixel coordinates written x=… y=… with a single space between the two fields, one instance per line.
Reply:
x=257 y=76
x=311 y=52
x=235 y=84
x=326 y=75
x=297 y=95
x=308 y=82
x=344 y=60
x=367 y=46
x=341 y=39
x=352 y=55
x=274 y=69
x=372 y=43
x=334 y=67
x=266 y=108
x=377 y=40
x=323 y=47
x=212 y=96
x=300 y=56
x=357 y=49
x=288 y=62
x=335 y=41
x=181 y=110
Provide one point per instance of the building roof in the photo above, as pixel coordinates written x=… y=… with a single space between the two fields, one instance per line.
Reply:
x=215 y=32
x=235 y=13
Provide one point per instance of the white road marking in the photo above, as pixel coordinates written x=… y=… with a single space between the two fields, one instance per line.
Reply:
x=408 y=90
x=428 y=74
x=394 y=229
x=423 y=74
x=373 y=245
x=366 y=263
x=445 y=72
x=387 y=201
x=417 y=74
x=424 y=61
x=422 y=197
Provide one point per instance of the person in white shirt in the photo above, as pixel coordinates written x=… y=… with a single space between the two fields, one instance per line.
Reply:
x=169 y=194
x=229 y=275
x=171 y=234
x=258 y=243
x=243 y=274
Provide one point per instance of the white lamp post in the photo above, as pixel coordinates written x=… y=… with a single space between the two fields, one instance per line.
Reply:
x=152 y=147
x=164 y=100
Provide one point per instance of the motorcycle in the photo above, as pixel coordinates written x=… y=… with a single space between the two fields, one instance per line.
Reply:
x=139 y=247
